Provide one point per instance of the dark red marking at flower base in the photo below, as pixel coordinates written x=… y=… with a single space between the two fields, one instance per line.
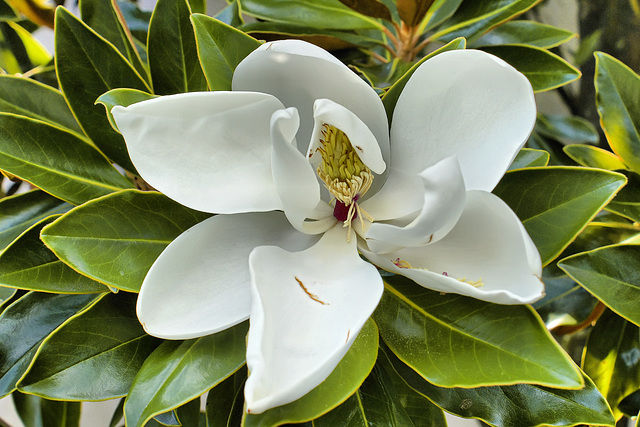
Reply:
x=341 y=211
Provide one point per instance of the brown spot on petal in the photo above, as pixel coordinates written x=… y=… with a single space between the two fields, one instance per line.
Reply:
x=306 y=291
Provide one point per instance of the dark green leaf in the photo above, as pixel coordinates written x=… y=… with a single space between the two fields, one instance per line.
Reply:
x=556 y=203
x=594 y=157
x=567 y=129
x=611 y=358
x=173 y=57
x=474 y=18
x=526 y=32
x=18 y=213
x=390 y=98
x=29 y=98
x=345 y=379
x=544 y=69
x=455 y=341
x=220 y=49
x=198 y=6
x=372 y=8
x=627 y=201
x=38 y=412
x=611 y=274
x=225 y=401
x=23 y=52
x=28 y=264
x=440 y=11
x=329 y=14
x=94 y=356
x=189 y=413
x=118 y=249
x=179 y=371
x=375 y=403
x=25 y=323
x=88 y=66
x=138 y=22
x=618 y=101
x=101 y=16
x=529 y=158
x=56 y=161
x=515 y=405
x=6 y=12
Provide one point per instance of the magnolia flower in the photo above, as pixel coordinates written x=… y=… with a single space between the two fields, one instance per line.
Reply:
x=301 y=168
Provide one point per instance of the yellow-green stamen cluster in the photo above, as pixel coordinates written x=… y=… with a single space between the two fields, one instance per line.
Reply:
x=341 y=169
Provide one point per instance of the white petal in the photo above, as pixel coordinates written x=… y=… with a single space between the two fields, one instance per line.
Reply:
x=210 y=151
x=400 y=196
x=443 y=199
x=298 y=73
x=307 y=309
x=200 y=283
x=463 y=103
x=296 y=181
x=361 y=138
x=486 y=246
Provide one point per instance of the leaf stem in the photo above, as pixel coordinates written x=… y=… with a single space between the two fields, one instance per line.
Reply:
x=589 y=321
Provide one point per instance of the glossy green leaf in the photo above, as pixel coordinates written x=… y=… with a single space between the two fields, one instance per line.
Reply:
x=611 y=358
x=5 y=295
x=179 y=371
x=556 y=203
x=56 y=161
x=421 y=410
x=124 y=97
x=529 y=158
x=455 y=341
x=27 y=97
x=32 y=318
x=28 y=264
x=345 y=379
x=594 y=157
x=7 y=13
x=330 y=14
x=19 y=212
x=220 y=49
x=375 y=403
x=87 y=66
x=440 y=11
x=38 y=412
x=173 y=57
x=544 y=69
x=101 y=16
x=630 y=405
x=627 y=201
x=17 y=38
x=474 y=18
x=225 y=401
x=618 y=102
x=526 y=32
x=133 y=228
x=567 y=129
x=94 y=356
x=189 y=413
x=515 y=405
x=372 y=8
x=611 y=274
x=390 y=98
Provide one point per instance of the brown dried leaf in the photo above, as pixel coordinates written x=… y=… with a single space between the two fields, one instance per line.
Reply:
x=412 y=11
x=372 y=8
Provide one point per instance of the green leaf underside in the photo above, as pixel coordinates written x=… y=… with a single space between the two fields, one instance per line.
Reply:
x=611 y=274
x=610 y=358
x=179 y=371
x=19 y=212
x=556 y=203
x=94 y=356
x=30 y=98
x=390 y=98
x=593 y=157
x=330 y=14
x=32 y=318
x=544 y=69
x=456 y=341
x=526 y=32
x=345 y=379
x=618 y=102
x=28 y=264
x=56 y=161
x=220 y=49
x=87 y=66
x=567 y=129
x=514 y=405
x=116 y=239
x=529 y=158
x=173 y=57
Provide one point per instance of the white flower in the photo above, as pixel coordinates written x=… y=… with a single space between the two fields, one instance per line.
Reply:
x=299 y=164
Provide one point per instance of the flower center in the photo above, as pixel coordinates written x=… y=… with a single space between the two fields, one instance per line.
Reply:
x=346 y=177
